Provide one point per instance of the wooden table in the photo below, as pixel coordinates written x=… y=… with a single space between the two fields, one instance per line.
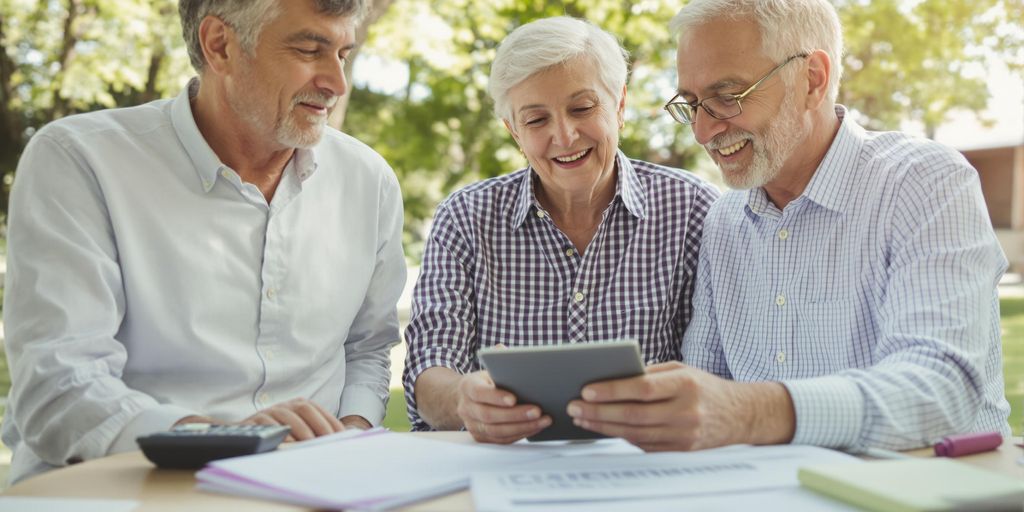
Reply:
x=130 y=476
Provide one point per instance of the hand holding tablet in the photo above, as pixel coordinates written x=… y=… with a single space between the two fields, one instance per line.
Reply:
x=551 y=376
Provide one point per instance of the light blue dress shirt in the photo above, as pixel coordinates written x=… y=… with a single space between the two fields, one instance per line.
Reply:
x=872 y=296
x=146 y=282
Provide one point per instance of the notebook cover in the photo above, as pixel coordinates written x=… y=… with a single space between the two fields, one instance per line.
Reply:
x=912 y=485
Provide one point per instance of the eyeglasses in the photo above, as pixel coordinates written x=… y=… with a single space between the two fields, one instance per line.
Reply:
x=723 y=106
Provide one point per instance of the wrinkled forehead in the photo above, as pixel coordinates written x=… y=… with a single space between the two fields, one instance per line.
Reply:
x=304 y=18
x=720 y=50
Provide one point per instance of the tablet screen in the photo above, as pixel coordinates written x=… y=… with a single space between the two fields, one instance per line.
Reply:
x=551 y=376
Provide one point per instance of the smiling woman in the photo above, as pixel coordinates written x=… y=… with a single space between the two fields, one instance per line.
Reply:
x=583 y=245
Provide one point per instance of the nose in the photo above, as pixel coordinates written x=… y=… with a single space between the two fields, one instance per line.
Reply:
x=705 y=127
x=331 y=76
x=565 y=132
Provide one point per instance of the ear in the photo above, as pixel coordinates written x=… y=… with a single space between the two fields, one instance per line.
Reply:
x=621 y=112
x=511 y=131
x=215 y=37
x=819 y=69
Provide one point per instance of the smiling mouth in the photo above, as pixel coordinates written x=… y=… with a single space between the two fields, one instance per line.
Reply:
x=312 y=106
x=726 y=151
x=568 y=159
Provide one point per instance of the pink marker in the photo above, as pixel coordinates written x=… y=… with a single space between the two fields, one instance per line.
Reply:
x=967 y=444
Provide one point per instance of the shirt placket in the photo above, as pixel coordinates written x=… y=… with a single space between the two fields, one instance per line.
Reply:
x=586 y=283
x=273 y=313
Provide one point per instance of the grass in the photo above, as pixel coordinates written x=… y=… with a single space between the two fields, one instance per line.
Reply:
x=1012 y=320
x=395 y=418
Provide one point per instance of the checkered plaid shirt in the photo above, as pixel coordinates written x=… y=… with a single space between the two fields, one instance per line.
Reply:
x=497 y=270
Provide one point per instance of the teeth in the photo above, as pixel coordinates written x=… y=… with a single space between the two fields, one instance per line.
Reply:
x=732 y=149
x=571 y=158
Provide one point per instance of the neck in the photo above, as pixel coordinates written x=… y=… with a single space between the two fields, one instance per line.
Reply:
x=808 y=153
x=577 y=208
x=235 y=142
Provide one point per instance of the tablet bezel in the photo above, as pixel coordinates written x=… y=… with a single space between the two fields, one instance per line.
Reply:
x=552 y=375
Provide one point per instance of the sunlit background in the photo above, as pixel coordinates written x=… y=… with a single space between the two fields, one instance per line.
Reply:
x=945 y=69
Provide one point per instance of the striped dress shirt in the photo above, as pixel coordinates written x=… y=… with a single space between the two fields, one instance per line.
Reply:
x=872 y=296
x=497 y=270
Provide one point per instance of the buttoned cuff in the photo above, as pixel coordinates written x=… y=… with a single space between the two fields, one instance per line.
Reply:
x=157 y=419
x=362 y=401
x=829 y=411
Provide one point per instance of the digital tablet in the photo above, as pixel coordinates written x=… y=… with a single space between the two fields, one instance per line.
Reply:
x=551 y=376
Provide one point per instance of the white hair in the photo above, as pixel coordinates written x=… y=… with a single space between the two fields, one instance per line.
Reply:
x=788 y=27
x=549 y=42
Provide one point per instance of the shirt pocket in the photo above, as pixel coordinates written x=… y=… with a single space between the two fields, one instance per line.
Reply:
x=831 y=336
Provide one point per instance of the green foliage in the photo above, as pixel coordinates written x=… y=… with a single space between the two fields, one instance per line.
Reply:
x=917 y=60
x=62 y=57
x=906 y=59
x=439 y=133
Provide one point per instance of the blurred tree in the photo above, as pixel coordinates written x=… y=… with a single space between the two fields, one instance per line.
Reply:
x=60 y=57
x=906 y=59
x=437 y=128
x=918 y=60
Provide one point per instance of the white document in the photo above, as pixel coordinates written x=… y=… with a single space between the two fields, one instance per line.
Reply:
x=658 y=480
x=607 y=446
x=29 y=504
x=372 y=471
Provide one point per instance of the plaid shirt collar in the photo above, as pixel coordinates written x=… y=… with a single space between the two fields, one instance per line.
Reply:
x=627 y=188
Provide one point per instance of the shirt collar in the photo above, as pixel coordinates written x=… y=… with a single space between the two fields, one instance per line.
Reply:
x=829 y=186
x=627 y=188
x=204 y=159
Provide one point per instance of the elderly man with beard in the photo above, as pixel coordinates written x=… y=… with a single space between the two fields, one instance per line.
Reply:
x=218 y=257
x=846 y=293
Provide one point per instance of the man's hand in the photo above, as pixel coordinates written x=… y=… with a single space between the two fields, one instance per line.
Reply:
x=677 y=407
x=491 y=414
x=306 y=418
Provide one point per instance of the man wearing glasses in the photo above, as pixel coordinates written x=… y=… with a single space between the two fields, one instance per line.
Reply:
x=846 y=291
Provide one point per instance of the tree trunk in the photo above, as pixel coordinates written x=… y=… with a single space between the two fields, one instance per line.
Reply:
x=60 y=103
x=377 y=9
x=10 y=125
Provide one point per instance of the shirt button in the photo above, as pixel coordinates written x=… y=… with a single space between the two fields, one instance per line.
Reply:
x=264 y=399
x=540 y=214
x=783 y=234
x=268 y=354
x=780 y=357
x=271 y=293
x=780 y=300
x=578 y=297
x=570 y=252
x=225 y=173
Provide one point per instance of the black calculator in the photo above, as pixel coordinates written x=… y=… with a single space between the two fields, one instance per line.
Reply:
x=192 y=445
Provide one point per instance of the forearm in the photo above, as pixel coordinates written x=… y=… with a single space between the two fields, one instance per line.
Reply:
x=767 y=413
x=437 y=398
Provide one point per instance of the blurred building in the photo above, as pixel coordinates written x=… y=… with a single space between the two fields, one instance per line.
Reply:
x=1001 y=169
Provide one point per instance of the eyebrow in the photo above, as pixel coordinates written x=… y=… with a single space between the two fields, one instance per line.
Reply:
x=731 y=82
x=310 y=36
x=573 y=96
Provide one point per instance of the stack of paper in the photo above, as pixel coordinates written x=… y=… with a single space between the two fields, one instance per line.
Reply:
x=372 y=470
x=731 y=478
